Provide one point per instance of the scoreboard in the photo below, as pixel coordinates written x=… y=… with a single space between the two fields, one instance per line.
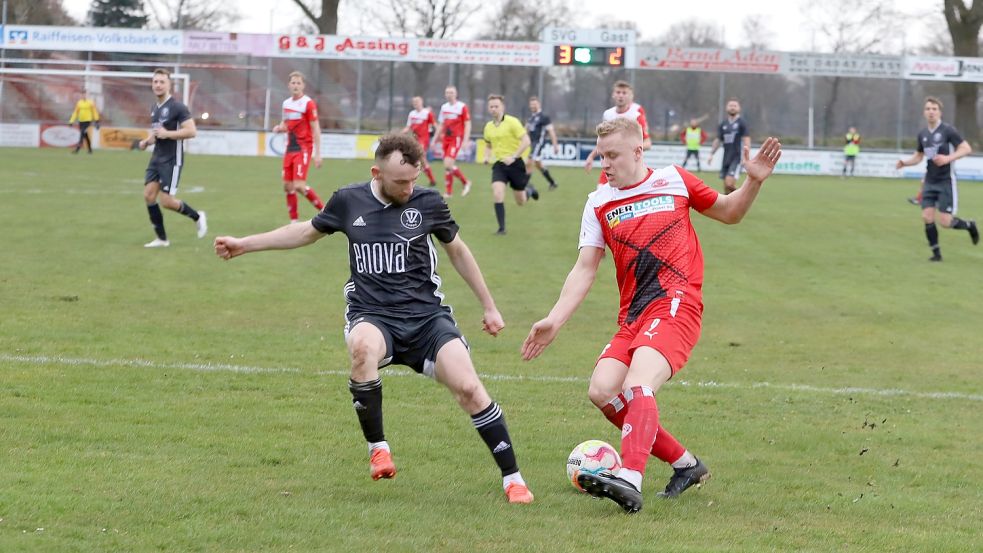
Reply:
x=571 y=54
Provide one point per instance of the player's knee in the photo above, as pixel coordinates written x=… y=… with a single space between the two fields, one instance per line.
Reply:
x=363 y=351
x=600 y=394
x=149 y=196
x=470 y=393
x=928 y=219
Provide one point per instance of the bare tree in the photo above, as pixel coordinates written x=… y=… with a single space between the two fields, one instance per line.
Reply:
x=521 y=20
x=38 y=12
x=201 y=15
x=424 y=18
x=327 y=20
x=849 y=26
x=964 y=26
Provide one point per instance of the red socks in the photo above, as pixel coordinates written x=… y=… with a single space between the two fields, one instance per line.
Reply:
x=640 y=428
x=292 y=205
x=457 y=173
x=666 y=448
x=314 y=199
x=429 y=173
x=449 y=181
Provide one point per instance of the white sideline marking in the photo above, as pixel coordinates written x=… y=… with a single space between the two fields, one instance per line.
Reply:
x=224 y=367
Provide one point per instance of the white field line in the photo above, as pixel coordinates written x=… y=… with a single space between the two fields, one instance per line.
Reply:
x=225 y=367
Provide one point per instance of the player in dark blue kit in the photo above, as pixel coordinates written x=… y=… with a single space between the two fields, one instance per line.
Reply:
x=170 y=125
x=939 y=194
x=395 y=308
x=733 y=133
x=539 y=126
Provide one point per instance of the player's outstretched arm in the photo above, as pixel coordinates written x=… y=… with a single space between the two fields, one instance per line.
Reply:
x=286 y=237
x=465 y=264
x=915 y=159
x=732 y=207
x=575 y=289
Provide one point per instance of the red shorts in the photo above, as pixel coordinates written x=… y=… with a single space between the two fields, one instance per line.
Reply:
x=295 y=165
x=452 y=146
x=669 y=326
x=424 y=142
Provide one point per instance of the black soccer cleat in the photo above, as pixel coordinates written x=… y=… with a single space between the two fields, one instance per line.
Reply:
x=554 y=186
x=682 y=479
x=610 y=486
x=974 y=233
x=532 y=192
x=936 y=257
x=914 y=201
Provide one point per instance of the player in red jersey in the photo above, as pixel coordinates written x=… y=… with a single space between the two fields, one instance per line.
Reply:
x=420 y=122
x=644 y=218
x=303 y=135
x=623 y=96
x=454 y=128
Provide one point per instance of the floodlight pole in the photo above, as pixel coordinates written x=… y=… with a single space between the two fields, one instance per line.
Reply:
x=812 y=110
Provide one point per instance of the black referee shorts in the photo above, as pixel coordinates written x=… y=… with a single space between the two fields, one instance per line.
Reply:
x=514 y=175
x=412 y=341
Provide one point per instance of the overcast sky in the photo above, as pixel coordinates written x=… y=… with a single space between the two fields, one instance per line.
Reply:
x=789 y=27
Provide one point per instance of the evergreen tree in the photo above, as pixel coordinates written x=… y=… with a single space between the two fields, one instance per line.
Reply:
x=117 y=13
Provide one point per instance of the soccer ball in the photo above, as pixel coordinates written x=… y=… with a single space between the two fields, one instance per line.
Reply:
x=593 y=456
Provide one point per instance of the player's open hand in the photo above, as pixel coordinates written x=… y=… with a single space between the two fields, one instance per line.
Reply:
x=588 y=165
x=228 y=247
x=763 y=164
x=941 y=160
x=317 y=162
x=493 y=322
x=541 y=335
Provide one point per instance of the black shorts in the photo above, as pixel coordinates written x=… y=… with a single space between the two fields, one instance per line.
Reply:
x=536 y=154
x=413 y=342
x=851 y=158
x=514 y=175
x=731 y=167
x=167 y=173
x=942 y=196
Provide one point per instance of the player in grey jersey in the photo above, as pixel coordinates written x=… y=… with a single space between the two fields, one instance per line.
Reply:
x=939 y=195
x=170 y=125
x=395 y=312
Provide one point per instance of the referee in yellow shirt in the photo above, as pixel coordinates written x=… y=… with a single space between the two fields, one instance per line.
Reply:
x=86 y=114
x=506 y=139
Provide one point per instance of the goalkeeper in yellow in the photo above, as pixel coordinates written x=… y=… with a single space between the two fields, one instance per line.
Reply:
x=86 y=114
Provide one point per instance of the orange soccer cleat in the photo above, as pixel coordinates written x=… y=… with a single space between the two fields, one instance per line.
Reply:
x=381 y=464
x=518 y=493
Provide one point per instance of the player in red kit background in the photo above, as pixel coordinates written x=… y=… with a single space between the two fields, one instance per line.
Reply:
x=454 y=130
x=303 y=139
x=643 y=217
x=623 y=96
x=420 y=122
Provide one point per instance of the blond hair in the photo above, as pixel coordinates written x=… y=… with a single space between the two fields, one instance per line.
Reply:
x=620 y=124
x=296 y=74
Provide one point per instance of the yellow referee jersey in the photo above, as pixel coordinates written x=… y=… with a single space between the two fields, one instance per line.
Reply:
x=504 y=137
x=85 y=111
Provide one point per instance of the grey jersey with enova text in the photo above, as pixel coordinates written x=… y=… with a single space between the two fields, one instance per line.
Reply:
x=392 y=258
x=169 y=115
x=936 y=142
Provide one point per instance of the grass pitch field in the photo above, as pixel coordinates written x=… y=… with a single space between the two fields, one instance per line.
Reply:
x=164 y=400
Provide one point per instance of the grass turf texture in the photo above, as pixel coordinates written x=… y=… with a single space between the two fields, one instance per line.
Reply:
x=127 y=421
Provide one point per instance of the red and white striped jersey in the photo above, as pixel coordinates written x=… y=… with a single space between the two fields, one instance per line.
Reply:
x=297 y=116
x=453 y=117
x=647 y=227
x=634 y=111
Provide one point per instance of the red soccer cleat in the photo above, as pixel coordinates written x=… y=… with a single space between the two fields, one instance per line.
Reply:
x=381 y=464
